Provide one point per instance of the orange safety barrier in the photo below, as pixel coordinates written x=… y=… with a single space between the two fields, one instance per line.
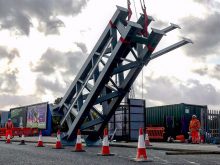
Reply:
x=19 y=131
x=181 y=138
x=2 y=131
x=155 y=132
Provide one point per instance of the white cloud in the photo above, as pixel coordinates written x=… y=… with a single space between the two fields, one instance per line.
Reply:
x=55 y=37
x=164 y=90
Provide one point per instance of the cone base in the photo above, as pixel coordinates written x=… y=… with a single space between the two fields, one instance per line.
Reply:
x=40 y=144
x=78 y=151
x=79 y=147
x=58 y=145
x=141 y=160
x=101 y=154
x=21 y=144
x=8 y=140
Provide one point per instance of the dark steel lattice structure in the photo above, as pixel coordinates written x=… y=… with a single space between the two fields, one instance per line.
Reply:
x=108 y=74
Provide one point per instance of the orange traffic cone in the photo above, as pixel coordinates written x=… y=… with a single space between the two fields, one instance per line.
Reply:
x=22 y=140
x=141 y=151
x=58 y=142
x=147 y=141
x=8 y=140
x=78 y=146
x=40 y=142
x=105 y=145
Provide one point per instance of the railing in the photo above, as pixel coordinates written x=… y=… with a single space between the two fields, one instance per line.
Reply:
x=212 y=123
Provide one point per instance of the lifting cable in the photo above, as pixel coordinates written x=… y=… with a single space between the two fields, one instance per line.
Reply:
x=135 y=10
x=145 y=34
x=129 y=9
x=129 y=17
x=143 y=7
x=142 y=83
x=144 y=31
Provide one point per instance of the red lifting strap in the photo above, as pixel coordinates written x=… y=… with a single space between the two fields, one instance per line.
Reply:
x=124 y=41
x=144 y=31
x=111 y=24
x=150 y=48
x=129 y=10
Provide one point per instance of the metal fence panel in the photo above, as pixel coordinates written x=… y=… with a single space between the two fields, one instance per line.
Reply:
x=212 y=123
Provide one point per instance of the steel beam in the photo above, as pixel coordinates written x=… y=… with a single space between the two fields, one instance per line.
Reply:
x=101 y=84
x=153 y=40
x=120 y=14
x=119 y=51
x=86 y=81
x=170 y=48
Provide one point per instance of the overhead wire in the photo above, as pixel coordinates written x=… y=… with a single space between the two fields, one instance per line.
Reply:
x=135 y=9
x=145 y=33
x=142 y=3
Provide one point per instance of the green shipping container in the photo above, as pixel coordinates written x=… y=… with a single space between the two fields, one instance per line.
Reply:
x=175 y=118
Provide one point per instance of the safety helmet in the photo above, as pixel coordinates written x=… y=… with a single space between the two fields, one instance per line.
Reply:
x=194 y=116
x=9 y=119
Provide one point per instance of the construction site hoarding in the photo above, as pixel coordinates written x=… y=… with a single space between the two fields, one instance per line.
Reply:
x=137 y=117
x=37 y=116
x=19 y=116
x=127 y=120
x=137 y=102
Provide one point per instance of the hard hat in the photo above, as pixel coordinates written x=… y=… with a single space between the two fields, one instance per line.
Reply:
x=194 y=116
x=9 y=118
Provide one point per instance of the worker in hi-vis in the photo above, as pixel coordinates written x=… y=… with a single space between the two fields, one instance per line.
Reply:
x=194 y=127
x=9 y=125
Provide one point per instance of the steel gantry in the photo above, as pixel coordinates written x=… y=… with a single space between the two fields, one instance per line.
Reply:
x=108 y=74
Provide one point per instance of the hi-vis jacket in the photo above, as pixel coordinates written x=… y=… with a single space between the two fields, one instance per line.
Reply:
x=194 y=125
x=9 y=125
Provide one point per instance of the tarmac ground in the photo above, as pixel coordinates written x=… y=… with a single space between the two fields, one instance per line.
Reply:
x=173 y=148
x=29 y=154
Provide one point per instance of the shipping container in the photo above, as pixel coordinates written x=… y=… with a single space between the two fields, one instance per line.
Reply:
x=175 y=118
x=127 y=120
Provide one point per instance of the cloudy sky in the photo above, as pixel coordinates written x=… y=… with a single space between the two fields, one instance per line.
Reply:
x=43 y=44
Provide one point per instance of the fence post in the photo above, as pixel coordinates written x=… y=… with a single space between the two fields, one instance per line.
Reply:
x=219 y=123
